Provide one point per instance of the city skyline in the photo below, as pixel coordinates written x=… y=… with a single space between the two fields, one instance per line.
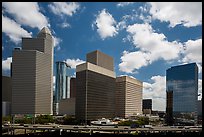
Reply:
x=143 y=43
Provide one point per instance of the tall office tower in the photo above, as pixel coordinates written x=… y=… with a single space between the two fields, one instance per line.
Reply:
x=32 y=75
x=200 y=111
x=147 y=106
x=100 y=59
x=182 y=91
x=95 y=93
x=200 y=107
x=62 y=90
x=128 y=96
x=72 y=87
x=169 y=108
x=6 y=95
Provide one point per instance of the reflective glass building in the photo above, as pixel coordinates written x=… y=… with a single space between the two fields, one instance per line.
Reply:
x=62 y=90
x=182 y=92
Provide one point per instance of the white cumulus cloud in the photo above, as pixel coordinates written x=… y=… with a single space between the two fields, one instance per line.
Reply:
x=106 y=24
x=6 y=64
x=122 y=4
x=64 y=8
x=133 y=60
x=193 y=51
x=65 y=25
x=186 y=13
x=156 y=91
x=152 y=47
x=145 y=38
x=13 y=30
x=57 y=41
x=26 y=13
x=200 y=88
x=74 y=62
x=53 y=83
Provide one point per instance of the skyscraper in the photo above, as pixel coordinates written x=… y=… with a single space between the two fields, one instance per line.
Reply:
x=6 y=95
x=62 y=89
x=128 y=96
x=72 y=87
x=147 y=106
x=32 y=75
x=182 y=92
x=95 y=92
x=100 y=59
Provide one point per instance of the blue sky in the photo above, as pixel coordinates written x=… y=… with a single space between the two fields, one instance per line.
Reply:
x=144 y=39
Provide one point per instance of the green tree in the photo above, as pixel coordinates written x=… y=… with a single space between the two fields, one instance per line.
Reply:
x=43 y=119
x=6 y=118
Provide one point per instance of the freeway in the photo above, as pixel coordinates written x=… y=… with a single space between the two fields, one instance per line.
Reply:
x=100 y=129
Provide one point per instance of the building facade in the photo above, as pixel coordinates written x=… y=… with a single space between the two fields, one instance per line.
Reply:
x=67 y=106
x=32 y=75
x=182 y=92
x=95 y=92
x=6 y=96
x=72 y=87
x=147 y=106
x=128 y=97
x=100 y=59
x=62 y=84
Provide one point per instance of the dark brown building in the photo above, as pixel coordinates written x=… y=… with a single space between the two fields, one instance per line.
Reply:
x=95 y=93
x=147 y=106
x=169 y=108
x=100 y=59
x=72 y=87
x=32 y=75
x=6 y=95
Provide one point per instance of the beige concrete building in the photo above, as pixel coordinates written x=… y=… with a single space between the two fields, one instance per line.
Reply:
x=128 y=96
x=32 y=75
x=95 y=88
x=67 y=106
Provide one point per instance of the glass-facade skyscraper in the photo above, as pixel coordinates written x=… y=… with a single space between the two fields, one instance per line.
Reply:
x=182 y=92
x=62 y=90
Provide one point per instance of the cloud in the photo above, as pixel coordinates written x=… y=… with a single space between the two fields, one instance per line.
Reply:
x=57 y=41
x=53 y=83
x=154 y=43
x=193 y=51
x=6 y=64
x=152 y=47
x=13 y=30
x=186 y=13
x=65 y=25
x=64 y=8
x=26 y=13
x=156 y=91
x=200 y=88
x=74 y=75
x=74 y=62
x=199 y=67
x=133 y=60
x=123 y=4
x=106 y=24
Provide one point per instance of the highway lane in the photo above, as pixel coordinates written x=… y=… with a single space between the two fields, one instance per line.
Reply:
x=99 y=128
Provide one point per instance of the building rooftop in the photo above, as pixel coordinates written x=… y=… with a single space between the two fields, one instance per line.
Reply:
x=45 y=30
